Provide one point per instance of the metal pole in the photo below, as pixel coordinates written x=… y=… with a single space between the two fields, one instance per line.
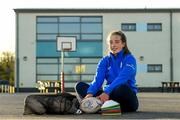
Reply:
x=62 y=71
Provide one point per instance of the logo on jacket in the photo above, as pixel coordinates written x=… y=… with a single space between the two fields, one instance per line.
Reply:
x=131 y=65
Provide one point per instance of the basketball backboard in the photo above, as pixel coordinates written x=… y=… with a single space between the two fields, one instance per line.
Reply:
x=66 y=43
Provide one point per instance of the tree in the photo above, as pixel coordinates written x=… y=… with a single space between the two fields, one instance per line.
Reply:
x=7 y=61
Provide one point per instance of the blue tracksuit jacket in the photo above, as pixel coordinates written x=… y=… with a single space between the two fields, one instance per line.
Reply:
x=116 y=70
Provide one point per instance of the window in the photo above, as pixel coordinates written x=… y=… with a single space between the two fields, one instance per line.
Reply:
x=85 y=28
x=91 y=37
x=69 y=19
x=47 y=28
x=47 y=19
x=47 y=36
x=89 y=34
x=154 y=27
x=47 y=60
x=91 y=28
x=71 y=34
x=49 y=68
x=69 y=28
x=44 y=73
x=128 y=26
x=154 y=68
x=91 y=19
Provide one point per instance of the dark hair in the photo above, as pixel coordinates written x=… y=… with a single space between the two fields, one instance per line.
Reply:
x=123 y=39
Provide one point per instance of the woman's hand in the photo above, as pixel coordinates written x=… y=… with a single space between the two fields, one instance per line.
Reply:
x=103 y=97
x=88 y=95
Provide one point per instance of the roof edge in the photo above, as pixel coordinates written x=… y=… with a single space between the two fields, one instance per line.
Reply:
x=42 y=10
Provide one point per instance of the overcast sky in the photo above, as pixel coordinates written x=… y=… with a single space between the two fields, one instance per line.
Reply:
x=7 y=19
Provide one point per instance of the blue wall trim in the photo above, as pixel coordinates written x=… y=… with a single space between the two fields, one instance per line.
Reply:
x=84 y=49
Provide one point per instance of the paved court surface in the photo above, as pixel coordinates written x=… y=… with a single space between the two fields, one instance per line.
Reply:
x=152 y=106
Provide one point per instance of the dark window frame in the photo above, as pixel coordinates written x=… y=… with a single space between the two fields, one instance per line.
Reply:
x=128 y=24
x=151 y=68
x=154 y=28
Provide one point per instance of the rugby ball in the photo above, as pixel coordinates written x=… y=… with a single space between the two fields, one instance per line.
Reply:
x=90 y=105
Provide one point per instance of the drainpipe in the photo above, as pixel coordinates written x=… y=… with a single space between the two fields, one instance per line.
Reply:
x=171 y=49
x=17 y=52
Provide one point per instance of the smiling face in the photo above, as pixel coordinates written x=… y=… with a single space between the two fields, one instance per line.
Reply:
x=115 y=44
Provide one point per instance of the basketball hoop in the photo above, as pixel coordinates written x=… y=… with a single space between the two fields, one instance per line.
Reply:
x=65 y=44
x=67 y=49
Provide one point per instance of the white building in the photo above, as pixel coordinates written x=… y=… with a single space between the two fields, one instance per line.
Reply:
x=152 y=34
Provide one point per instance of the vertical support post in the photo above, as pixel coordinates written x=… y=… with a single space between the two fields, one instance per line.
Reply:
x=62 y=71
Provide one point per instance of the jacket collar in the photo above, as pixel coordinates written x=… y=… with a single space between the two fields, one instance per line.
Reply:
x=119 y=54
